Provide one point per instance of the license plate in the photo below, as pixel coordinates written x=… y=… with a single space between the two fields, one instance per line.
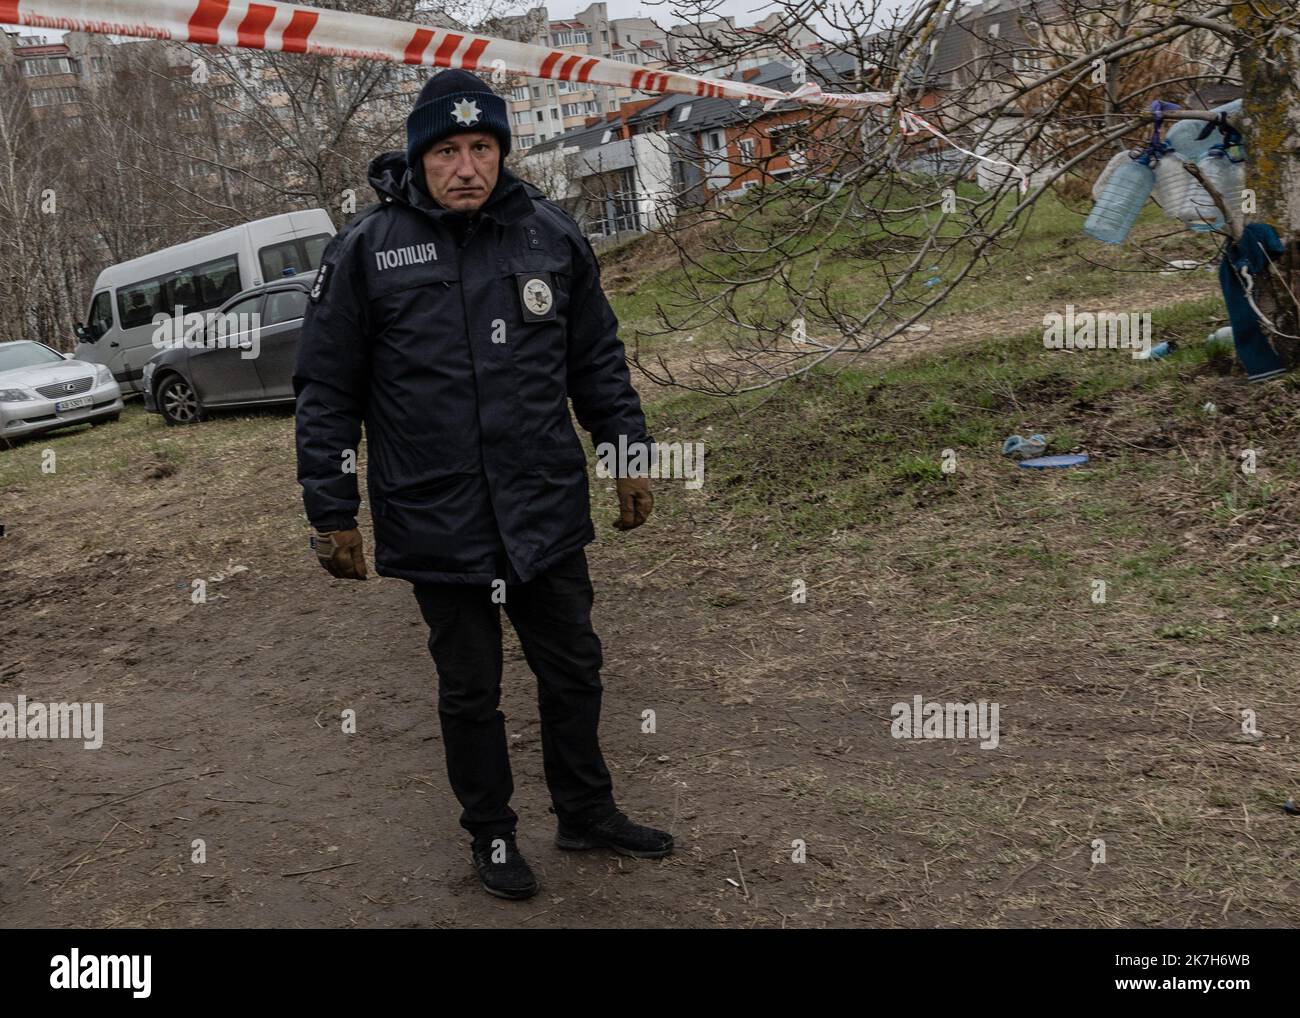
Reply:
x=73 y=404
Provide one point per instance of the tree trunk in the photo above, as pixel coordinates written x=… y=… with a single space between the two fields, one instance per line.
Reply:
x=1271 y=81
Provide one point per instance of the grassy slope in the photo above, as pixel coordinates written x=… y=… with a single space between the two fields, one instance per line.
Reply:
x=1045 y=262
x=987 y=576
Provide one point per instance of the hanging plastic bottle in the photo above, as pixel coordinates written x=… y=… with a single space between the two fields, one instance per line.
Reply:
x=1121 y=201
x=1225 y=175
x=1198 y=208
x=1184 y=135
x=1103 y=177
x=1172 y=182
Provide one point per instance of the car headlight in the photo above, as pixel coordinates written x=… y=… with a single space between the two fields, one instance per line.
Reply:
x=13 y=396
x=104 y=374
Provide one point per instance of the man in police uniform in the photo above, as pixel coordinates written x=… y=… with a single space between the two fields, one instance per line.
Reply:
x=456 y=319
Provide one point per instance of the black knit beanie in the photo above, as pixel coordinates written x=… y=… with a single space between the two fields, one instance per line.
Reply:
x=451 y=101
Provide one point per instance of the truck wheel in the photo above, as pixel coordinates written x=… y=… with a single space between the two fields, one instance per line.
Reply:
x=179 y=402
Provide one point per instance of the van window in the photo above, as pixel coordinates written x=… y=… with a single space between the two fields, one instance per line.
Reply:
x=101 y=314
x=301 y=254
x=203 y=287
x=285 y=306
x=197 y=288
x=214 y=282
x=137 y=304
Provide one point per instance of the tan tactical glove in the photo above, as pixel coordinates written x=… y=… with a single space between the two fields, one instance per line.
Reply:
x=635 y=503
x=340 y=553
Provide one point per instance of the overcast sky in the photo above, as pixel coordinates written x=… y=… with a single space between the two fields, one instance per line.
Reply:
x=746 y=12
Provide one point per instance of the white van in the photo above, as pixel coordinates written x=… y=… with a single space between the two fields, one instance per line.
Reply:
x=197 y=276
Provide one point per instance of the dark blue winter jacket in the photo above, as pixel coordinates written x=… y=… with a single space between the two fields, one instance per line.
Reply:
x=459 y=342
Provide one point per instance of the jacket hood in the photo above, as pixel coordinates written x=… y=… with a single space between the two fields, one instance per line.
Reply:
x=393 y=180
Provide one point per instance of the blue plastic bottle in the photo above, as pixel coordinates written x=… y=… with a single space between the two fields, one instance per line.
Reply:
x=1121 y=202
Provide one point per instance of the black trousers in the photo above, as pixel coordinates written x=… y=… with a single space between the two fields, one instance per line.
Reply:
x=552 y=617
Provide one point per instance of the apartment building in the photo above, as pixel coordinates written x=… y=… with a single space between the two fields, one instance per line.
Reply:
x=541 y=108
x=721 y=48
x=56 y=72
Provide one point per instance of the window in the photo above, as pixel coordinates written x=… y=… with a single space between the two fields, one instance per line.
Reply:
x=523 y=117
x=38 y=66
x=527 y=141
x=537 y=91
x=215 y=282
x=616 y=211
x=1027 y=61
x=684 y=113
x=550 y=90
x=100 y=319
x=233 y=326
x=746 y=150
x=55 y=96
x=284 y=306
x=198 y=288
x=302 y=255
x=26 y=354
x=137 y=305
x=520 y=93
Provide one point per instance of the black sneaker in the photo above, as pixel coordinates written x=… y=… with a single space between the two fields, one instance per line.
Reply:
x=617 y=832
x=509 y=877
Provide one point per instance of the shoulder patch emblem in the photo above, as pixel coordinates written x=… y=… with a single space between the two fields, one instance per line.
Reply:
x=536 y=296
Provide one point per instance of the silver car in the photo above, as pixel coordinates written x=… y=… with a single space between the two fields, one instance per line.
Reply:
x=42 y=389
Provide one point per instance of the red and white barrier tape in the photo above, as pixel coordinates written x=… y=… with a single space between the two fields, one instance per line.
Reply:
x=290 y=28
x=909 y=123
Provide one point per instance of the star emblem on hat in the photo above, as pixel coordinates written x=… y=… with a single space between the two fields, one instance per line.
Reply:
x=466 y=112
